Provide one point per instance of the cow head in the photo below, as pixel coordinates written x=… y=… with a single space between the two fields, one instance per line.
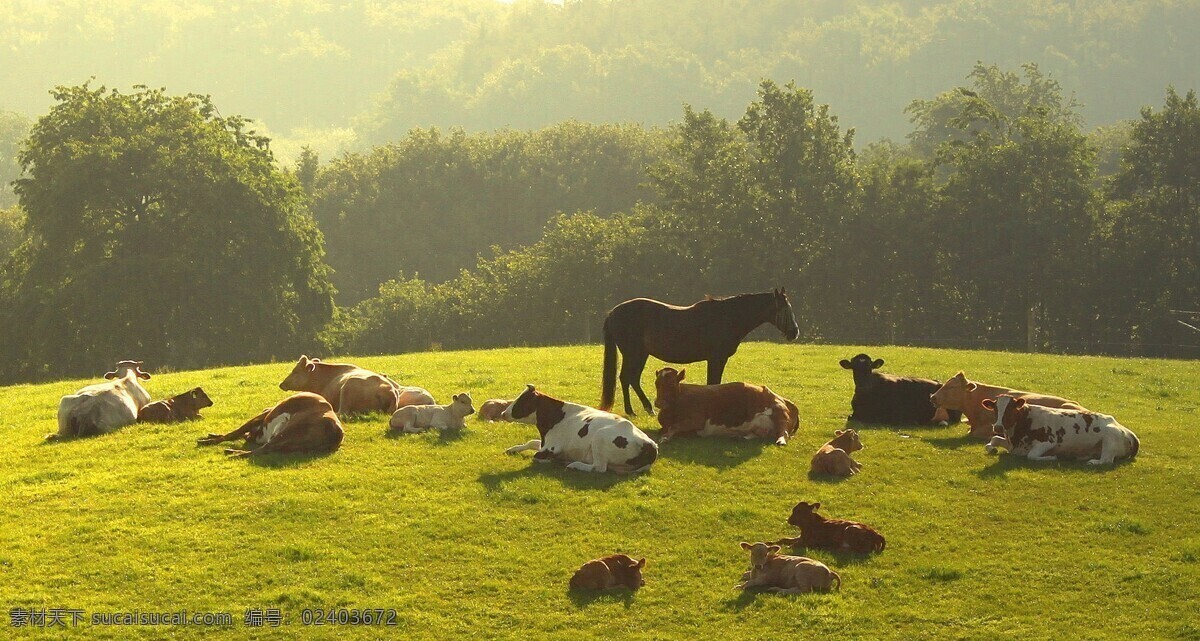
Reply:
x=297 y=380
x=666 y=385
x=524 y=408
x=1007 y=410
x=847 y=440
x=952 y=395
x=760 y=553
x=626 y=570
x=783 y=318
x=862 y=366
x=803 y=514
x=198 y=399
x=124 y=367
x=462 y=404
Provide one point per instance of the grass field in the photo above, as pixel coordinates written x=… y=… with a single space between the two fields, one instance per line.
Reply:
x=462 y=540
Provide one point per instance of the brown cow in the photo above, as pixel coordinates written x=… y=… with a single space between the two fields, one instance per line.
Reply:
x=493 y=409
x=785 y=574
x=834 y=457
x=835 y=535
x=729 y=409
x=181 y=407
x=958 y=393
x=616 y=571
x=352 y=389
x=301 y=423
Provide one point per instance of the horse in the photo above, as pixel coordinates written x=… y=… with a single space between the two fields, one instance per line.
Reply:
x=709 y=330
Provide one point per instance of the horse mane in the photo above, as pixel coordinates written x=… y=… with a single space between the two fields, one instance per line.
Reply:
x=709 y=298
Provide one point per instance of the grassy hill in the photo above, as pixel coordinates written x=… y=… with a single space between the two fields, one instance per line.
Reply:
x=463 y=540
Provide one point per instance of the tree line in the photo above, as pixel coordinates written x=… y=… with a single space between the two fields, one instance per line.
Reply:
x=149 y=225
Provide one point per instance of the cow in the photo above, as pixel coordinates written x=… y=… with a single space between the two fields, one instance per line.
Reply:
x=181 y=407
x=1048 y=433
x=615 y=571
x=418 y=418
x=493 y=409
x=834 y=457
x=352 y=389
x=892 y=400
x=784 y=574
x=835 y=535
x=301 y=423
x=103 y=407
x=585 y=438
x=729 y=409
x=958 y=393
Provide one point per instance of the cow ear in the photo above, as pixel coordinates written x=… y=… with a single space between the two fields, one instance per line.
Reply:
x=315 y=360
x=971 y=387
x=845 y=364
x=529 y=387
x=877 y=363
x=110 y=375
x=783 y=291
x=312 y=366
x=773 y=549
x=988 y=404
x=303 y=360
x=745 y=545
x=682 y=374
x=961 y=375
x=143 y=375
x=839 y=432
x=1019 y=403
x=641 y=563
x=815 y=506
x=454 y=398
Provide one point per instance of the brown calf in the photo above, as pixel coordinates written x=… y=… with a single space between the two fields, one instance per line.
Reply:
x=616 y=571
x=181 y=407
x=835 y=535
x=730 y=409
x=301 y=423
x=493 y=410
x=785 y=574
x=834 y=457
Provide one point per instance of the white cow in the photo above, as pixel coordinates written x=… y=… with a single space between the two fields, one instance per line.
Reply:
x=103 y=407
x=1047 y=433
x=418 y=418
x=587 y=439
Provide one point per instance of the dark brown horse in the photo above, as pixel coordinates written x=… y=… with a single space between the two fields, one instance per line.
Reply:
x=709 y=330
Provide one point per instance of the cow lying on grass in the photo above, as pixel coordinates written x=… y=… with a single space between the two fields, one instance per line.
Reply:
x=958 y=393
x=181 y=407
x=893 y=400
x=1046 y=433
x=835 y=535
x=103 y=407
x=301 y=423
x=729 y=409
x=785 y=574
x=418 y=418
x=493 y=409
x=616 y=571
x=834 y=457
x=585 y=438
x=351 y=389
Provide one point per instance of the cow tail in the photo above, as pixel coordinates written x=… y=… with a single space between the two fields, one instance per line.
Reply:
x=795 y=426
x=839 y=580
x=608 y=384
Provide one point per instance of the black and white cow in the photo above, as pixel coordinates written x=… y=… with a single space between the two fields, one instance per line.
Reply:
x=585 y=438
x=1048 y=433
x=893 y=400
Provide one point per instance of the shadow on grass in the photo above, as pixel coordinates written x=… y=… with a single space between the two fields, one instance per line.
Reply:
x=1005 y=462
x=953 y=442
x=717 y=452
x=818 y=477
x=571 y=478
x=443 y=437
x=281 y=461
x=584 y=598
x=840 y=559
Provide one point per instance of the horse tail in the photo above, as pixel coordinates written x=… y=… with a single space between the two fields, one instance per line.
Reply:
x=608 y=384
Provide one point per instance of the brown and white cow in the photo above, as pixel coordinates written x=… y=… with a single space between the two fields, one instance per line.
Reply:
x=352 y=389
x=730 y=409
x=181 y=407
x=301 y=423
x=103 y=407
x=1047 y=433
x=585 y=438
x=785 y=574
x=958 y=393
x=615 y=571
x=834 y=457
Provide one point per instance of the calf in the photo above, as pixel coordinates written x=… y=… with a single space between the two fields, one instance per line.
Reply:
x=103 y=407
x=181 y=407
x=351 y=389
x=1047 y=433
x=958 y=393
x=301 y=423
x=835 y=535
x=785 y=574
x=493 y=410
x=418 y=418
x=616 y=571
x=585 y=438
x=730 y=409
x=834 y=457
x=892 y=400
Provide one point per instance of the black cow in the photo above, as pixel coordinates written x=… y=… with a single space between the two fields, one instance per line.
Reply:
x=893 y=400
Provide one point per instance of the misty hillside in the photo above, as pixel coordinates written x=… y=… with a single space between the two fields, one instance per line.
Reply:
x=341 y=75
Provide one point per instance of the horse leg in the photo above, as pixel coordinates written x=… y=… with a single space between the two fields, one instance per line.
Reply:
x=716 y=368
x=637 y=365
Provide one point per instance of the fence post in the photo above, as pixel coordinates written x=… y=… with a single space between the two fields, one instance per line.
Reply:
x=1030 y=331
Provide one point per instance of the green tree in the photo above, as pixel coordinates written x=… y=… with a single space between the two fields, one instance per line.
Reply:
x=13 y=128
x=159 y=230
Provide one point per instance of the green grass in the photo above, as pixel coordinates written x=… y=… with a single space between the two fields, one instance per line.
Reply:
x=464 y=541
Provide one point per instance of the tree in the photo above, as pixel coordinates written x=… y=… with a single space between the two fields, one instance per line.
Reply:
x=13 y=128
x=162 y=231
